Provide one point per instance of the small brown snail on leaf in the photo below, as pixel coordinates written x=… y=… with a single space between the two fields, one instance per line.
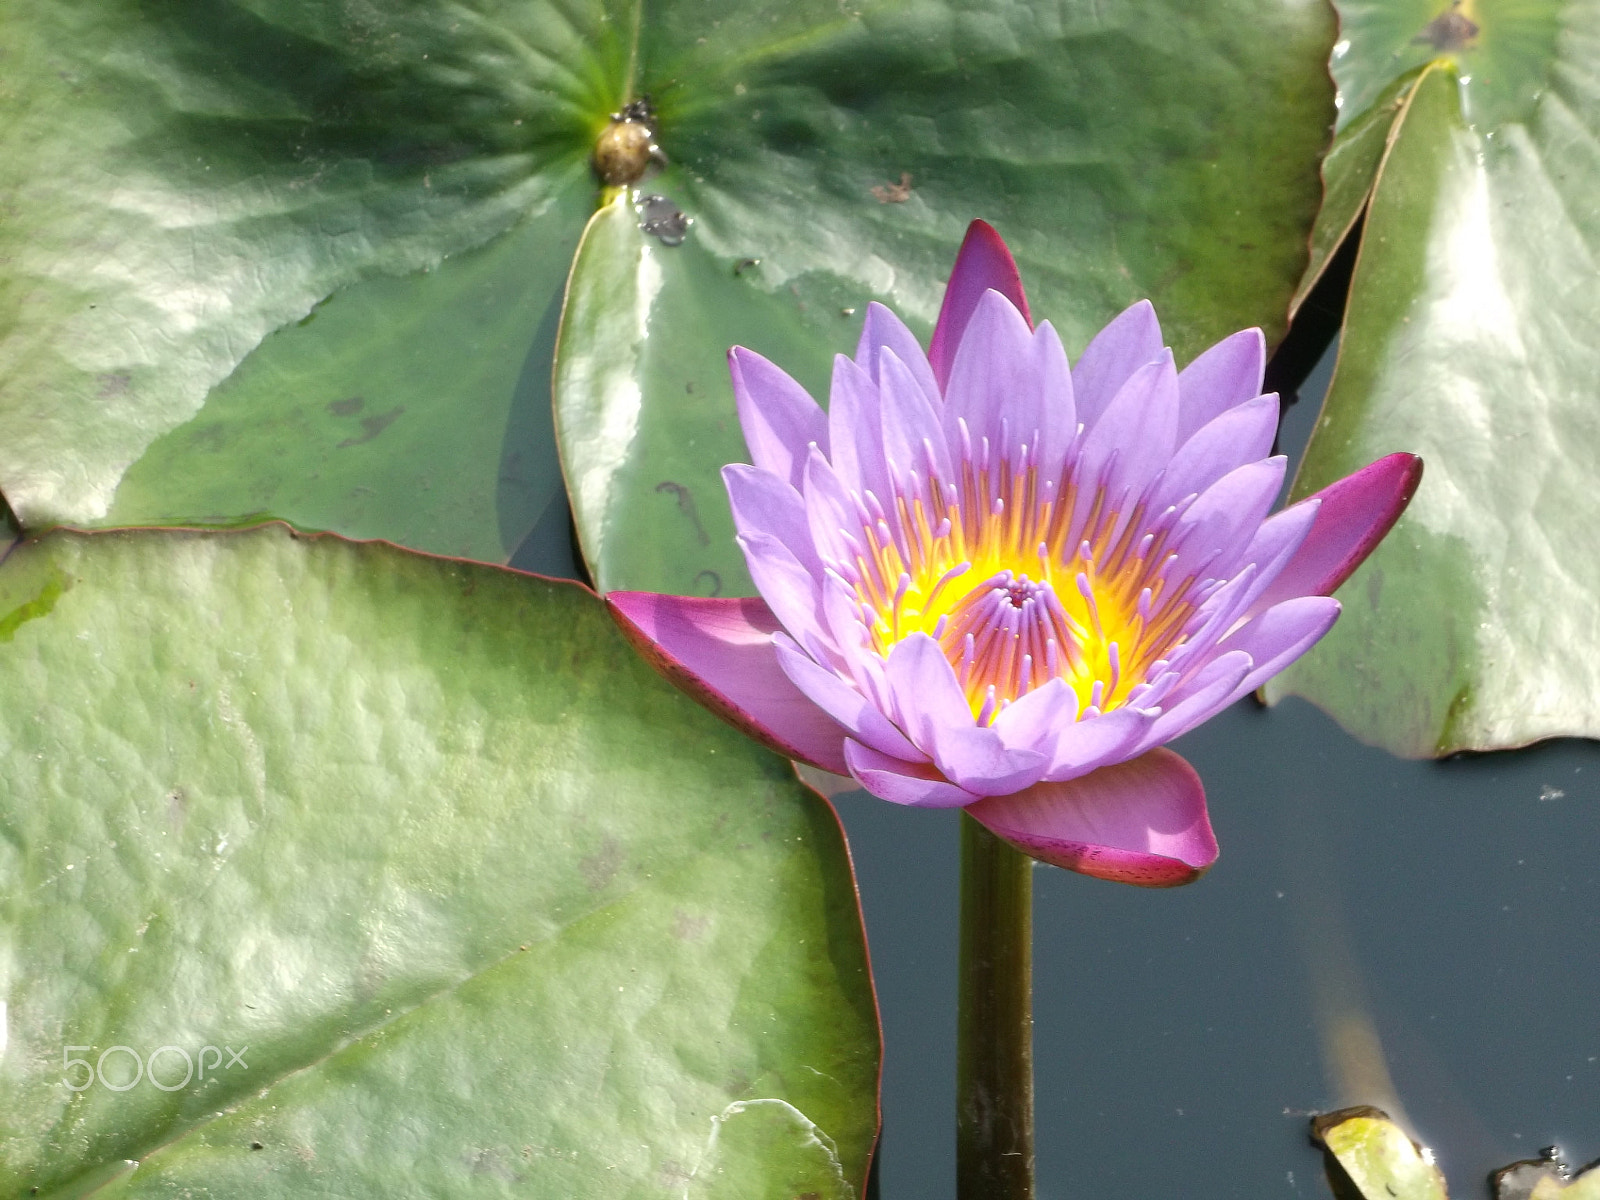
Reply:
x=627 y=146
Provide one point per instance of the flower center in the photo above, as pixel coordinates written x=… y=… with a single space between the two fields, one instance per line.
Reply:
x=1100 y=616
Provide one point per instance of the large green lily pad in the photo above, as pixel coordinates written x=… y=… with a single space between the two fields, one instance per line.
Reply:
x=1470 y=338
x=482 y=906
x=1126 y=149
x=180 y=181
x=300 y=258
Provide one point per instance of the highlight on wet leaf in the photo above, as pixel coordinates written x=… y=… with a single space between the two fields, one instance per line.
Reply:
x=1369 y=1157
x=994 y=581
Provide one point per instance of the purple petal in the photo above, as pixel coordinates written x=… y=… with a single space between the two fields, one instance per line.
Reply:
x=975 y=757
x=1117 y=351
x=1280 y=635
x=983 y=263
x=928 y=699
x=1094 y=742
x=841 y=701
x=1226 y=375
x=720 y=651
x=917 y=784
x=1133 y=439
x=883 y=330
x=1142 y=822
x=1216 y=530
x=932 y=710
x=1212 y=689
x=1355 y=514
x=832 y=518
x=1038 y=720
x=855 y=430
x=913 y=433
x=1052 y=380
x=791 y=591
x=1243 y=434
x=762 y=503
x=779 y=418
x=1274 y=544
x=989 y=384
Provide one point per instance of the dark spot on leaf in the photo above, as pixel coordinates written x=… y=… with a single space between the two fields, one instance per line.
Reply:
x=686 y=507
x=711 y=577
x=745 y=264
x=348 y=407
x=601 y=867
x=687 y=928
x=372 y=426
x=1450 y=30
x=894 y=193
x=662 y=220
x=39 y=606
x=257 y=1146
x=113 y=383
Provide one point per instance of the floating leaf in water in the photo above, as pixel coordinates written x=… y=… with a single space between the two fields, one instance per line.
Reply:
x=477 y=900
x=1546 y=1178
x=1375 y=1157
x=1470 y=338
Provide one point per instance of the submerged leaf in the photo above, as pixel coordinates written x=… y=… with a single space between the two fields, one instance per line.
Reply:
x=1376 y=1157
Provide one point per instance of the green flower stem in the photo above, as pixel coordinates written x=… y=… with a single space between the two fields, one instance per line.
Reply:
x=994 y=1050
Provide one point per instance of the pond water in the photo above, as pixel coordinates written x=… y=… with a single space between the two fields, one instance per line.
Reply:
x=1423 y=936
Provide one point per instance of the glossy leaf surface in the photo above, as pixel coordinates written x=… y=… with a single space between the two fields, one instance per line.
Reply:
x=1377 y=1156
x=1543 y=1179
x=1470 y=339
x=183 y=180
x=185 y=185
x=483 y=905
x=1124 y=150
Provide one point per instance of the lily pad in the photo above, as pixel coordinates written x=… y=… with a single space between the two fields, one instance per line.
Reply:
x=185 y=186
x=1138 y=148
x=1470 y=339
x=181 y=181
x=460 y=896
x=1546 y=1178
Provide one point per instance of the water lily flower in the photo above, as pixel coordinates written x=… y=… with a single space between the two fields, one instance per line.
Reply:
x=992 y=581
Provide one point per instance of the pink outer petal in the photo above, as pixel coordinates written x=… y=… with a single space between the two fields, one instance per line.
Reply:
x=720 y=651
x=1356 y=512
x=982 y=263
x=918 y=785
x=1142 y=822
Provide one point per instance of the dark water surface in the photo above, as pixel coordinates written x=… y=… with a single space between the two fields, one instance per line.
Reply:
x=1182 y=1037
